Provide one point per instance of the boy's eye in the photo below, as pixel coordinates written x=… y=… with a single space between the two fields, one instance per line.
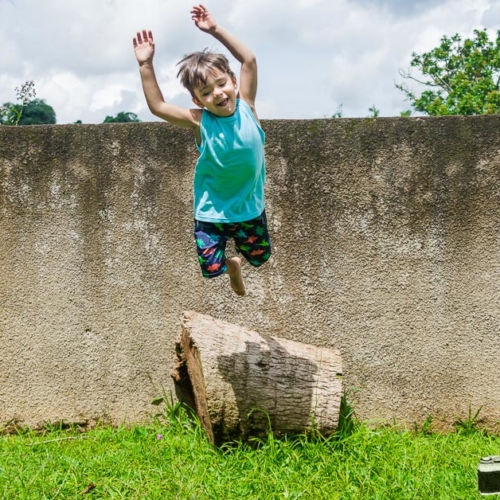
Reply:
x=222 y=84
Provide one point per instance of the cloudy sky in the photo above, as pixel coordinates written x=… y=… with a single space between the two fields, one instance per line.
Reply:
x=313 y=55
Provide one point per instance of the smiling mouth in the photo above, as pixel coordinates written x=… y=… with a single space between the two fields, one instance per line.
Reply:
x=223 y=102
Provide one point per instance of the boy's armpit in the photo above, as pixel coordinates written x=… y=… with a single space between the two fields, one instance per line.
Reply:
x=183 y=117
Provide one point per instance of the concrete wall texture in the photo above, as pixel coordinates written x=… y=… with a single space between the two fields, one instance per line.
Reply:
x=386 y=246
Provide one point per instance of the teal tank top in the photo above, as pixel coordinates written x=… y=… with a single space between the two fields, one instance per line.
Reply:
x=230 y=172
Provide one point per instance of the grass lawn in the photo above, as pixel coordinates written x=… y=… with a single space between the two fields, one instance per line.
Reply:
x=171 y=459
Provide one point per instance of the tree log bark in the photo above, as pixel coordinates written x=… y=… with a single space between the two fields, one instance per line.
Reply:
x=241 y=383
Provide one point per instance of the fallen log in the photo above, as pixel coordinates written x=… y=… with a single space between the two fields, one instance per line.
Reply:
x=241 y=383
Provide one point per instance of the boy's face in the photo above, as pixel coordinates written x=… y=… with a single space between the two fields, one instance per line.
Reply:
x=218 y=94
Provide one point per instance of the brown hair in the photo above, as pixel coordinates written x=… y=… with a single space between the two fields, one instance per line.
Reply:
x=195 y=67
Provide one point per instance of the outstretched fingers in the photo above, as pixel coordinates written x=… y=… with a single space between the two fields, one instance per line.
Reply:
x=146 y=36
x=196 y=14
x=198 y=9
x=203 y=18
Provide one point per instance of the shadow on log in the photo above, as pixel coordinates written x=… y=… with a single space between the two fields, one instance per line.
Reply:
x=241 y=383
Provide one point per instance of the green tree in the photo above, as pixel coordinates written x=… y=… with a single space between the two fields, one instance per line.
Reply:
x=10 y=113
x=38 y=112
x=462 y=77
x=122 y=117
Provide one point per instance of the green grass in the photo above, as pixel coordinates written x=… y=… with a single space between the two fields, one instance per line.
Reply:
x=132 y=463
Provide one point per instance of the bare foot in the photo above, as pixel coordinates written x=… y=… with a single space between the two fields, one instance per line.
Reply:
x=234 y=271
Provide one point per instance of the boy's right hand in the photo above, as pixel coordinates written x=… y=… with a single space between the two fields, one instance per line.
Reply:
x=144 y=46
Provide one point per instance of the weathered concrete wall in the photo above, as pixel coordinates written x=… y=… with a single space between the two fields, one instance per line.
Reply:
x=386 y=246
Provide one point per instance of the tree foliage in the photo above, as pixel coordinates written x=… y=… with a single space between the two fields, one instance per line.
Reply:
x=37 y=112
x=122 y=117
x=10 y=113
x=340 y=112
x=462 y=77
x=374 y=111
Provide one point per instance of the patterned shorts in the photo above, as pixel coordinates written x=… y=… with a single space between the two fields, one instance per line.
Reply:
x=251 y=239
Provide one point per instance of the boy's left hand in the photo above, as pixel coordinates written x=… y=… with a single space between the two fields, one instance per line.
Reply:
x=203 y=19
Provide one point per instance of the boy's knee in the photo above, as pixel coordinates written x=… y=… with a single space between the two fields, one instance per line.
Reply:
x=260 y=261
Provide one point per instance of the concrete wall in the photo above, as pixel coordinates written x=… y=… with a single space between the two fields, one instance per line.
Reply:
x=386 y=246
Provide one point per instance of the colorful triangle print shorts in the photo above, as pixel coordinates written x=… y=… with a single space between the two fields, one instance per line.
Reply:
x=251 y=239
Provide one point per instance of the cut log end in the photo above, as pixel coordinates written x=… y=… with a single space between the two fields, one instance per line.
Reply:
x=241 y=383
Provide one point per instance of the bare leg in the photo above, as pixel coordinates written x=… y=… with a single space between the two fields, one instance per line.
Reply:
x=233 y=265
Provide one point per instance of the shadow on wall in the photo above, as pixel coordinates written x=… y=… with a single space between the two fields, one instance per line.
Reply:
x=272 y=389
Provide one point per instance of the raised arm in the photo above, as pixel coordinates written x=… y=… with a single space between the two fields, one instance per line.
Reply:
x=144 y=49
x=248 y=75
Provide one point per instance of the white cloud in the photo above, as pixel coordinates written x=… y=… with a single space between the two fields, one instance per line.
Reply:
x=313 y=54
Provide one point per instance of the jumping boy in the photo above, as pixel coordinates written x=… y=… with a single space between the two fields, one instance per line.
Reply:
x=230 y=172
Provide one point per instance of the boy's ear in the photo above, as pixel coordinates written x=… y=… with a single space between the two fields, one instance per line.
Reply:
x=197 y=102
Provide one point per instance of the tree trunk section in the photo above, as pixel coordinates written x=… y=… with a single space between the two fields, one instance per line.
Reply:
x=241 y=383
